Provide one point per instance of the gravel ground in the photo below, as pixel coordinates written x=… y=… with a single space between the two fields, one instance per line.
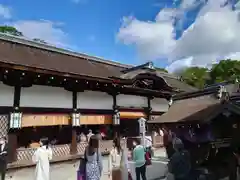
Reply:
x=68 y=170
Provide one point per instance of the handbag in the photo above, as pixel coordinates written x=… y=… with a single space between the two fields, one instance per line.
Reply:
x=148 y=158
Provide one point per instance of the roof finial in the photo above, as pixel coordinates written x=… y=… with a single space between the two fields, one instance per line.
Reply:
x=150 y=65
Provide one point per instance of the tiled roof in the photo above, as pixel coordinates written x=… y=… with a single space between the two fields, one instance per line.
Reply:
x=21 y=52
x=192 y=109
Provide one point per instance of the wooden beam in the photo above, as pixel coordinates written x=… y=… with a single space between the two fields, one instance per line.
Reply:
x=73 y=146
x=74 y=99
x=52 y=72
x=17 y=96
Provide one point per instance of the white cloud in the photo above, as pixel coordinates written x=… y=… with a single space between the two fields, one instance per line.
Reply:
x=233 y=56
x=153 y=39
x=5 y=12
x=179 y=65
x=214 y=34
x=48 y=31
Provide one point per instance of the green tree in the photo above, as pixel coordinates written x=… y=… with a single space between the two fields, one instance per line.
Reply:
x=195 y=76
x=10 y=30
x=225 y=70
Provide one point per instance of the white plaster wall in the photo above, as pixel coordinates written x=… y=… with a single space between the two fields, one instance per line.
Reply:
x=94 y=100
x=6 y=95
x=45 y=96
x=159 y=105
x=131 y=101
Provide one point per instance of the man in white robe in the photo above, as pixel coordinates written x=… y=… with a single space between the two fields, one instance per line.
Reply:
x=41 y=157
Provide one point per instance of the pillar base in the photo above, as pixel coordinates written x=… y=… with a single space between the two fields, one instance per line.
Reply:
x=73 y=146
x=12 y=145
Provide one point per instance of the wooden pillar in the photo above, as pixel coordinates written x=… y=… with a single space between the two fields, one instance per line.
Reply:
x=12 y=145
x=13 y=133
x=73 y=147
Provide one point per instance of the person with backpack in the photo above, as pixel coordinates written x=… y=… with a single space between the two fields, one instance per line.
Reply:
x=139 y=160
x=180 y=164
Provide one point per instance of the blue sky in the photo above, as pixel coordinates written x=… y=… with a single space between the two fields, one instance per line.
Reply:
x=92 y=26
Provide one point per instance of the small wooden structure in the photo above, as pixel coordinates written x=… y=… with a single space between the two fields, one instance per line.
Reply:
x=208 y=123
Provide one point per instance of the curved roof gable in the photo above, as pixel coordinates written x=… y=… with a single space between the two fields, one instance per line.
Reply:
x=170 y=80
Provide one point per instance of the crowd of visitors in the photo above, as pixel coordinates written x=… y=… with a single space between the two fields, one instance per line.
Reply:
x=91 y=164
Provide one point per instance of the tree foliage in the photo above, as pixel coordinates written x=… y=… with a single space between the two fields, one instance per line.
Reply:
x=13 y=31
x=225 y=70
x=195 y=76
x=10 y=30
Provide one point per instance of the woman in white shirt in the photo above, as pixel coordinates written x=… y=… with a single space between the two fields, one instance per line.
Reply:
x=118 y=163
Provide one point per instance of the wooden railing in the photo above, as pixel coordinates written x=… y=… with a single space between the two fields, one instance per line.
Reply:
x=24 y=155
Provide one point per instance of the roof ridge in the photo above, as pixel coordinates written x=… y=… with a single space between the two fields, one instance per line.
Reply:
x=48 y=47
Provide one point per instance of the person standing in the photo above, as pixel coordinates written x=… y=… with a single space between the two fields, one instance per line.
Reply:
x=139 y=159
x=41 y=157
x=103 y=132
x=82 y=137
x=148 y=144
x=180 y=164
x=167 y=141
x=90 y=133
x=3 y=157
x=93 y=158
x=98 y=134
x=118 y=163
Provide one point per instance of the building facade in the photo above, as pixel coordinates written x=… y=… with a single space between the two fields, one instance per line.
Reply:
x=43 y=87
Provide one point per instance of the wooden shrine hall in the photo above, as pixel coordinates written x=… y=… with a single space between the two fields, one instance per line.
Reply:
x=201 y=105
x=215 y=108
x=207 y=122
x=47 y=91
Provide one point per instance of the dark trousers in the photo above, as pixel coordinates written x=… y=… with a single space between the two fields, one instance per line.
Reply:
x=141 y=171
x=3 y=171
x=169 y=149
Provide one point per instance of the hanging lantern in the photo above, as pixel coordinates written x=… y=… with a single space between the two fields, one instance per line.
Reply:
x=15 y=120
x=76 y=119
x=116 y=118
